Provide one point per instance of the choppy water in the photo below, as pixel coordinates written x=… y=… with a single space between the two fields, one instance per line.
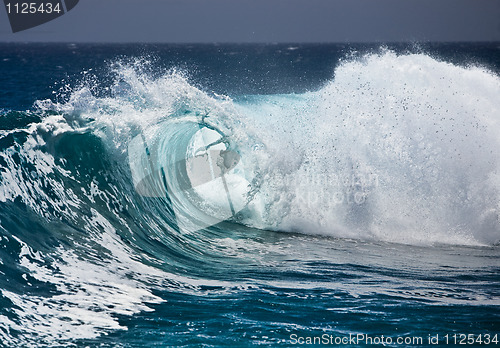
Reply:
x=363 y=195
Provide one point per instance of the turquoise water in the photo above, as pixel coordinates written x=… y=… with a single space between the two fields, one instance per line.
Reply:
x=360 y=206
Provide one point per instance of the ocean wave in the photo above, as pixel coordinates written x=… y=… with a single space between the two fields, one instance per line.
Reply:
x=396 y=148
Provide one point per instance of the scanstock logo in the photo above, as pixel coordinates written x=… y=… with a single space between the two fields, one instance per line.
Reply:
x=26 y=14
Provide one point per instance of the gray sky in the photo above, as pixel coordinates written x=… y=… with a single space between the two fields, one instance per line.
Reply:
x=178 y=21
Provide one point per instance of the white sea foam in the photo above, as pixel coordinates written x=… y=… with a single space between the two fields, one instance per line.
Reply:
x=399 y=148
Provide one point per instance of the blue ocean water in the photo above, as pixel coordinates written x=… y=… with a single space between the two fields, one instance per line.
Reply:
x=361 y=208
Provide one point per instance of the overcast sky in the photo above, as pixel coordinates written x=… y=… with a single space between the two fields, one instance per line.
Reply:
x=179 y=21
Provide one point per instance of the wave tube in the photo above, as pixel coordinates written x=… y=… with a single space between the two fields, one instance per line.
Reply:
x=194 y=168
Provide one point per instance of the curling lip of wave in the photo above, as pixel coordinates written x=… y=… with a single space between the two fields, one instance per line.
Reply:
x=405 y=146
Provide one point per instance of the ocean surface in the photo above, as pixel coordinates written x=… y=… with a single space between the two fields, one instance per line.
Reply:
x=249 y=195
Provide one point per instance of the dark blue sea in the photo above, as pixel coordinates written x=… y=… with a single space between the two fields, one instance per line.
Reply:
x=249 y=195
